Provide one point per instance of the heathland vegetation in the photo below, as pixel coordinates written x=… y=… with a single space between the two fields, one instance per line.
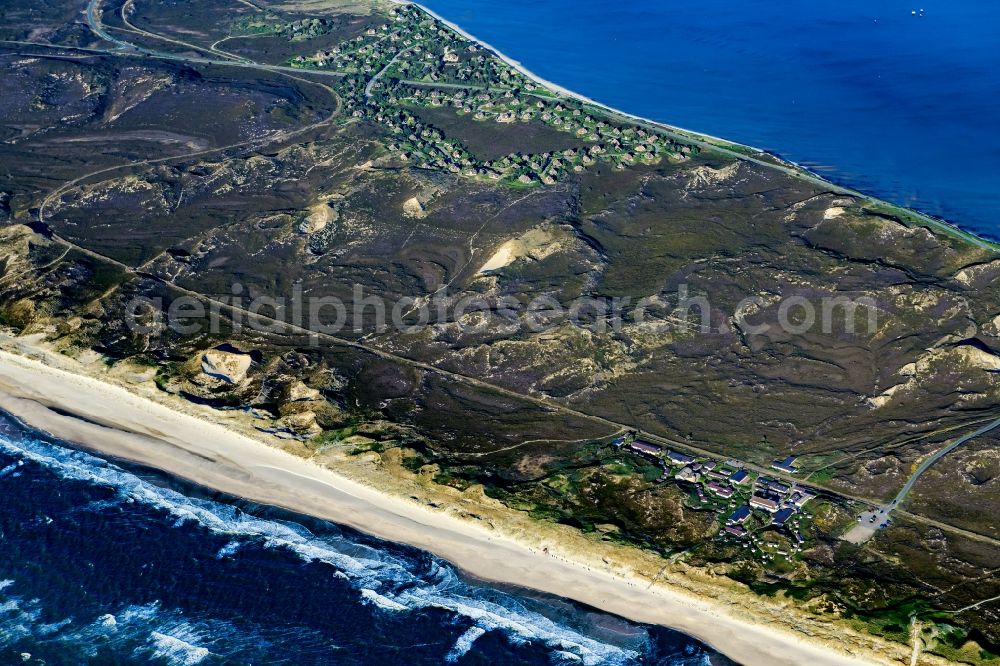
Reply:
x=239 y=156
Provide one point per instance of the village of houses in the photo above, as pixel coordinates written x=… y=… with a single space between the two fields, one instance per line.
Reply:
x=600 y=140
x=434 y=52
x=416 y=61
x=749 y=504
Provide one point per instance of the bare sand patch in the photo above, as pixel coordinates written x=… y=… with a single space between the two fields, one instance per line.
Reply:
x=412 y=207
x=536 y=244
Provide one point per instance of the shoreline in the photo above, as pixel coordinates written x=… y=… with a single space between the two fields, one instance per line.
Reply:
x=556 y=88
x=709 y=141
x=73 y=406
x=202 y=449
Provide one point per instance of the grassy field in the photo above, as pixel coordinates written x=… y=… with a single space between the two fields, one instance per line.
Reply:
x=490 y=140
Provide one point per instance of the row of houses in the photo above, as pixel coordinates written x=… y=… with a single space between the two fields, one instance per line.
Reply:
x=719 y=479
x=776 y=499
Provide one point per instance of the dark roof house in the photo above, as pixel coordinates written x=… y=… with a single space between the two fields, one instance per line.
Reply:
x=786 y=465
x=739 y=516
x=645 y=447
x=719 y=489
x=779 y=487
x=782 y=516
x=764 y=503
x=739 y=477
x=679 y=458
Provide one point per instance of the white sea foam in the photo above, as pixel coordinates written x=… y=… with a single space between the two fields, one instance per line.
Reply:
x=149 y=631
x=392 y=582
x=177 y=651
x=464 y=644
x=228 y=550
x=144 y=633
x=49 y=628
x=17 y=620
x=385 y=603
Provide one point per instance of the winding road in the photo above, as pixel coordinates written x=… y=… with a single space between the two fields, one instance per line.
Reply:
x=905 y=490
x=871 y=521
x=93 y=14
x=374 y=79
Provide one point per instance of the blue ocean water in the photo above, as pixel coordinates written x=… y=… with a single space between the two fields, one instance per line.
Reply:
x=100 y=564
x=900 y=99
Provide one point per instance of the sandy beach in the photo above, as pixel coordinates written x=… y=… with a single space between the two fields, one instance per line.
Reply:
x=111 y=420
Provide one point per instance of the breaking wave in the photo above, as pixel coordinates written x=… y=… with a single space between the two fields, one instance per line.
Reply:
x=386 y=578
x=144 y=631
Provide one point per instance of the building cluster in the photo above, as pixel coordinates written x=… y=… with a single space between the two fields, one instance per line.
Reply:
x=408 y=31
x=413 y=60
x=749 y=503
x=427 y=147
x=441 y=55
x=364 y=54
x=413 y=45
x=457 y=61
x=621 y=145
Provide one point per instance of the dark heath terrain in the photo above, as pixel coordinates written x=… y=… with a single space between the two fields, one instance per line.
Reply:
x=565 y=277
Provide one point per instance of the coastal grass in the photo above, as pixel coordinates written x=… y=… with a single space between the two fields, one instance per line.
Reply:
x=912 y=217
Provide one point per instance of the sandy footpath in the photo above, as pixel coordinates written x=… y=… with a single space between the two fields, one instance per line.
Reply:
x=111 y=420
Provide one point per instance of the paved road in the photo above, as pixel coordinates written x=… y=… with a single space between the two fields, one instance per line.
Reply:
x=905 y=490
x=869 y=522
x=129 y=6
x=94 y=22
x=371 y=82
x=135 y=51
